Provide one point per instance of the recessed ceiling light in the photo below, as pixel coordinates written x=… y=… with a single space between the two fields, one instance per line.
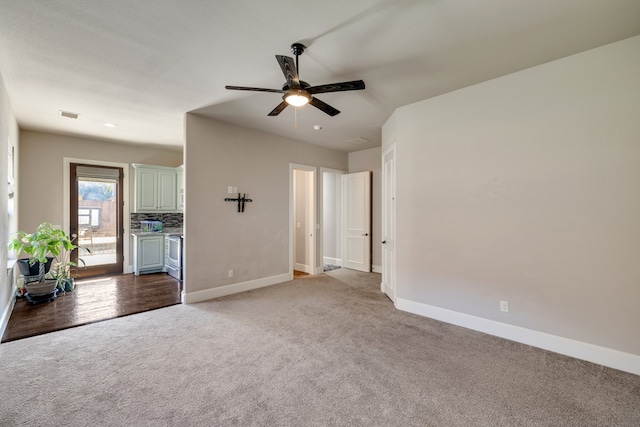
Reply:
x=68 y=114
x=317 y=127
x=110 y=125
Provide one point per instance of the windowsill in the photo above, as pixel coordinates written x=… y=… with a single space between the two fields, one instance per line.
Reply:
x=10 y=264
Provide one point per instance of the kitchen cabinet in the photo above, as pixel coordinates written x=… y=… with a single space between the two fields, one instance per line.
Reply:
x=155 y=189
x=148 y=253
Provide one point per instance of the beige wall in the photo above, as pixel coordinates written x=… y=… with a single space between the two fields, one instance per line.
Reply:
x=255 y=244
x=8 y=132
x=526 y=189
x=42 y=169
x=371 y=160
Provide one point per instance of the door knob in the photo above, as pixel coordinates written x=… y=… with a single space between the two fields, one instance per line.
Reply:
x=384 y=242
x=365 y=234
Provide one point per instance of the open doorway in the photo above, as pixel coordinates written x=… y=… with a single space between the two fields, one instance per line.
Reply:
x=303 y=256
x=331 y=239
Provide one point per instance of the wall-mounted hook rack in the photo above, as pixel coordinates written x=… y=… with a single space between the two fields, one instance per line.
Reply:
x=241 y=201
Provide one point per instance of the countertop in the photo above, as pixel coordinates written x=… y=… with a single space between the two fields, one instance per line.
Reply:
x=166 y=232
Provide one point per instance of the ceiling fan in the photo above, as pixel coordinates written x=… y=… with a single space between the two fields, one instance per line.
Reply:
x=297 y=92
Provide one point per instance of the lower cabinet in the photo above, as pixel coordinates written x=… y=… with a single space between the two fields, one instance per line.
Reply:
x=148 y=254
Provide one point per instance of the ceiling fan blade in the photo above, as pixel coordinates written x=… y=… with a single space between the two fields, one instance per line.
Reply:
x=289 y=70
x=337 y=87
x=324 y=107
x=278 y=109
x=254 y=89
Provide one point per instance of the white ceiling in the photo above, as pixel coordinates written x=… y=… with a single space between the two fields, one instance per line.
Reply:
x=143 y=64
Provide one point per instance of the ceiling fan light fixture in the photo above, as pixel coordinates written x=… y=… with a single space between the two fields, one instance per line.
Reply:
x=297 y=92
x=297 y=98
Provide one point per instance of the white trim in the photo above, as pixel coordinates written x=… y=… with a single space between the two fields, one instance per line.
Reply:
x=377 y=269
x=304 y=268
x=207 y=294
x=388 y=284
x=126 y=211
x=4 y=320
x=580 y=350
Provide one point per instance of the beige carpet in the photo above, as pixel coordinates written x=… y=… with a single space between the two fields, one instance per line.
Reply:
x=319 y=351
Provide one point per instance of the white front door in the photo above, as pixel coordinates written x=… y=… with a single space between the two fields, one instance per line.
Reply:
x=389 y=223
x=356 y=243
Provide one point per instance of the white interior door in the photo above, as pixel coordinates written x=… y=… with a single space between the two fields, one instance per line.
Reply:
x=389 y=223
x=356 y=242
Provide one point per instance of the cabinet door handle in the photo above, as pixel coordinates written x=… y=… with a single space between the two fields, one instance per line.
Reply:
x=384 y=242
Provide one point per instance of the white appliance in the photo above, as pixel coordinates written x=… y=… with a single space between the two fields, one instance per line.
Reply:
x=173 y=260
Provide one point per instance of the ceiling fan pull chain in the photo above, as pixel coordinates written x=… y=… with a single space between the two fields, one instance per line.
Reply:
x=295 y=117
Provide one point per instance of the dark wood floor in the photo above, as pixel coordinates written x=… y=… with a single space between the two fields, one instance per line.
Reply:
x=93 y=300
x=298 y=274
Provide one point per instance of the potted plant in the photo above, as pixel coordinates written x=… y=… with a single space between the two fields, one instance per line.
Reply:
x=42 y=246
x=63 y=267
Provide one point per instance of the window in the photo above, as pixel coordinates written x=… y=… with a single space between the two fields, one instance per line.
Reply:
x=89 y=217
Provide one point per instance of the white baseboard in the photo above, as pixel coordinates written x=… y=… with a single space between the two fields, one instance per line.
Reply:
x=304 y=268
x=580 y=350
x=376 y=269
x=207 y=294
x=6 y=314
x=332 y=261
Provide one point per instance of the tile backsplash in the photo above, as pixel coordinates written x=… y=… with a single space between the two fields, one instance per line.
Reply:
x=169 y=220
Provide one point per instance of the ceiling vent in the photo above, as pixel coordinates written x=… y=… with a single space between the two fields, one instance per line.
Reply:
x=358 y=141
x=69 y=114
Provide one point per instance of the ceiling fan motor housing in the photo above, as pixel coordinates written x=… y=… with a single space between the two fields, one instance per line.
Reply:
x=297 y=48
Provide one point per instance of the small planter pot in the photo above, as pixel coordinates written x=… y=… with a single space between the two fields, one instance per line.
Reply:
x=67 y=285
x=44 y=288
x=33 y=270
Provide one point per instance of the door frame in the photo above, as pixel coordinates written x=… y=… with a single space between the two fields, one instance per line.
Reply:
x=126 y=211
x=314 y=201
x=389 y=226
x=320 y=232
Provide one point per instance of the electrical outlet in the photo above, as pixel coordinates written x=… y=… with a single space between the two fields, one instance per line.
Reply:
x=230 y=273
x=504 y=306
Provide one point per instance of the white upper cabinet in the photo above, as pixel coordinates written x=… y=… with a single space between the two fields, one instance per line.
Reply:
x=155 y=189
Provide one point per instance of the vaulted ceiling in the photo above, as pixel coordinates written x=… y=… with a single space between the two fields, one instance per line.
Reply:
x=143 y=64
